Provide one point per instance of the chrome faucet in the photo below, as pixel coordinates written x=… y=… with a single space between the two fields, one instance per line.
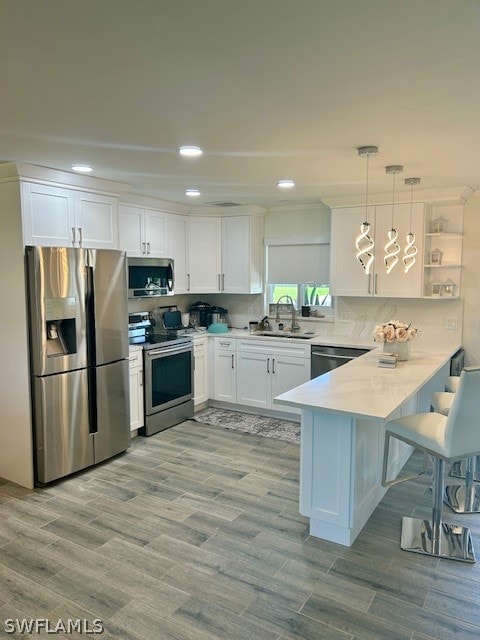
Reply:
x=295 y=326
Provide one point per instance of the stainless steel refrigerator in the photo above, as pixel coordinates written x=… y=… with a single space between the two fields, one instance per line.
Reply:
x=79 y=357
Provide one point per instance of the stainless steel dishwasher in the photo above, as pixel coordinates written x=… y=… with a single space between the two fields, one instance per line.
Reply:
x=325 y=358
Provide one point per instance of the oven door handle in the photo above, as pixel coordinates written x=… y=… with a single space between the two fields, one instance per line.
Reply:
x=166 y=351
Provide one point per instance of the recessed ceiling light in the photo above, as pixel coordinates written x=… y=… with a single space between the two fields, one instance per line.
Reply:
x=192 y=193
x=286 y=184
x=82 y=168
x=190 y=151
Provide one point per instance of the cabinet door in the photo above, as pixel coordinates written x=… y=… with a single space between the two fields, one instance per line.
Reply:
x=48 y=215
x=397 y=283
x=96 y=219
x=131 y=231
x=136 y=398
x=204 y=255
x=242 y=242
x=235 y=255
x=155 y=234
x=254 y=382
x=177 y=250
x=200 y=377
x=225 y=376
x=347 y=277
x=287 y=373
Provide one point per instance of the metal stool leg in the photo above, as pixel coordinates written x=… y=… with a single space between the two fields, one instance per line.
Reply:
x=457 y=470
x=437 y=538
x=465 y=498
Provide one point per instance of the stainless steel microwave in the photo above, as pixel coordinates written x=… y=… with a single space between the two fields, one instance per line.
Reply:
x=148 y=277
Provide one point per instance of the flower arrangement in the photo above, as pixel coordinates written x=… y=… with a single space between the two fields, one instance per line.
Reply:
x=394 y=330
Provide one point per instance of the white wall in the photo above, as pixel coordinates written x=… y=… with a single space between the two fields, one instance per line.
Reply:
x=471 y=281
x=16 y=454
x=310 y=220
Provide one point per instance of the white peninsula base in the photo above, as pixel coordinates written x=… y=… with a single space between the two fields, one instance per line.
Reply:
x=342 y=436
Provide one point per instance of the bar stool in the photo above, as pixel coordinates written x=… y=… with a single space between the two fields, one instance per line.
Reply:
x=447 y=439
x=451 y=383
x=461 y=498
x=459 y=468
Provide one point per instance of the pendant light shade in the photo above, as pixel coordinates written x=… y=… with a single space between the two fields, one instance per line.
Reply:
x=410 y=251
x=392 y=248
x=364 y=242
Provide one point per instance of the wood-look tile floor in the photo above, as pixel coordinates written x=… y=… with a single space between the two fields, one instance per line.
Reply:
x=195 y=534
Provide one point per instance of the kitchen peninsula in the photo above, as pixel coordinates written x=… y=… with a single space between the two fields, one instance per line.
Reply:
x=342 y=435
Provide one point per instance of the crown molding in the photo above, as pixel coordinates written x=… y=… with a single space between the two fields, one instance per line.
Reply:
x=457 y=195
x=54 y=177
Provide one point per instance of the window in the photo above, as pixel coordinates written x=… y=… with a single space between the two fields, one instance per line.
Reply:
x=299 y=268
x=302 y=294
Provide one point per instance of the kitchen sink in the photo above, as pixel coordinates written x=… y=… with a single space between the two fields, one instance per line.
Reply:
x=285 y=334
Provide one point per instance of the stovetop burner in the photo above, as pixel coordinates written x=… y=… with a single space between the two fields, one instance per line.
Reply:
x=159 y=339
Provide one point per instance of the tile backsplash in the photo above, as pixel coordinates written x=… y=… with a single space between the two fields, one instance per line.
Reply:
x=353 y=317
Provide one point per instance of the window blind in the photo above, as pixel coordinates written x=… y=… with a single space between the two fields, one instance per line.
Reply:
x=298 y=263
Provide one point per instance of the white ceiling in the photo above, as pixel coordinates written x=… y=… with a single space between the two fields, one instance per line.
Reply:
x=269 y=88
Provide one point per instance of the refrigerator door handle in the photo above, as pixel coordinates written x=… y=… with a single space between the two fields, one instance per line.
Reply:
x=92 y=399
x=73 y=236
x=90 y=316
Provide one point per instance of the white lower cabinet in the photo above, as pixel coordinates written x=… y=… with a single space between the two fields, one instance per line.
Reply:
x=200 y=375
x=225 y=369
x=136 y=387
x=266 y=370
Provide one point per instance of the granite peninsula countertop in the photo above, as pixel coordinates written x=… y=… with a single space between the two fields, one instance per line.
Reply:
x=361 y=388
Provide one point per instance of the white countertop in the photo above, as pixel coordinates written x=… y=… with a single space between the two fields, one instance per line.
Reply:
x=361 y=388
x=334 y=341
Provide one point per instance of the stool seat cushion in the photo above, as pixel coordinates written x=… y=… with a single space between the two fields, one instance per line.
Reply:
x=451 y=383
x=427 y=430
x=442 y=401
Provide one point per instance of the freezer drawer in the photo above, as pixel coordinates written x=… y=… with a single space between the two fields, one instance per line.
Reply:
x=63 y=443
x=113 y=410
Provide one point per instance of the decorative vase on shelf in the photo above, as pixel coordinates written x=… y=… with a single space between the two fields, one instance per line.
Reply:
x=402 y=349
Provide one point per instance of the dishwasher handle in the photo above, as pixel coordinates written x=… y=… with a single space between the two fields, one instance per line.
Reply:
x=331 y=356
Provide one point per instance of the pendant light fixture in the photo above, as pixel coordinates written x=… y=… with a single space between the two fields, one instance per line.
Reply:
x=392 y=248
x=410 y=251
x=364 y=242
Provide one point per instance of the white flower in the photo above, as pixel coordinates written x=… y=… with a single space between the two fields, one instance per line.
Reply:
x=394 y=330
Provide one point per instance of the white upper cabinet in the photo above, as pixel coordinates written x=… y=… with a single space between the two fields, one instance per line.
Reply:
x=204 y=254
x=213 y=254
x=177 y=250
x=142 y=232
x=59 y=216
x=242 y=238
x=347 y=275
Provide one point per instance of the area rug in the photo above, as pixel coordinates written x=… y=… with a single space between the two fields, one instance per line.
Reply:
x=251 y=423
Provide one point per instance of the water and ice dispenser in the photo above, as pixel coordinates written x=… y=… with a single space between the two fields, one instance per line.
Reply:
x=60 y=326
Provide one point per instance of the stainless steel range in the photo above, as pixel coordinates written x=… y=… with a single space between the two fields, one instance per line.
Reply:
x=167 y=372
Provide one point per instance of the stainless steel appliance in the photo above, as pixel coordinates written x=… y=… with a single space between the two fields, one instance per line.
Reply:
x=326 y=358
x=79 y=358
x=200 y=315
x=218 y=315
x=150 y=277
x=168 y=372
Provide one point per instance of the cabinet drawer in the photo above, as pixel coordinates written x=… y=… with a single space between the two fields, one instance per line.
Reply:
x=282 y=346
x=135 y=357
x=222 y=344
